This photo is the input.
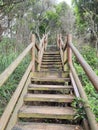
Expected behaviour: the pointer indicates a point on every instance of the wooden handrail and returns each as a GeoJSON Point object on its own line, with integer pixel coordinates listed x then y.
{"type": "Point", "coordinates": [33, 53]}
{"type": "Point", "coordinates": [63, 52]}
{"type": "Point", "coordinates": [88, 70]}
{"type": "Point", "coordinates": [9, 109]}
{"type": "Point", "coordinates": [90, 73]}
{"type": "Point", "coordinates": [60, 45]}
{"type": "Point", "coordinates": [42, 47]}
{"type": "Point", "coordinates": [90, 115]}
{"type": "Point", "coordinates": [8, 71]}
{"type": "Point", "coordinates": [5, 75]}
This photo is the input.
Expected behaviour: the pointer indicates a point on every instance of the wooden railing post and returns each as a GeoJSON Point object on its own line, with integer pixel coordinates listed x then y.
{"type": "Point", "coordinates": [69, 40]}
{"type": "Point", "coordinates": [65, 55]}
{"type": "Point", "coordinates": [33, 52]}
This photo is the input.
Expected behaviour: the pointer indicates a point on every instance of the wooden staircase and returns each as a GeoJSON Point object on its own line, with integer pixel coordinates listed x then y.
{"type": "Point", "coordinates": [47, 104]}
{"type": "Point", "coordinates": [43, 98]}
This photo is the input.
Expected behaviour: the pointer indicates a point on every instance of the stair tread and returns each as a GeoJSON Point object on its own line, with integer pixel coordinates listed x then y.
{"type": "Point", "coordinates": [49, 74]}
{"type": "Point", "coordinates": [53, 60]}
{"type": "Point", "coordinates": [55, 65]}
{"type": "Point", "coordinates": [51, 67]}
{"type": "Point", "coordinates": [51, 79]}
{"type": "Point", "coordinates": [46, 112]}
{"type": "Point", "coordinates": [57, 56]}
{"type": "Point", "coordinates": [56, 69]}
{"type": "Point", "coordinates": [52, 57]}
{"type": "Point", "coordinates": [45, 126]}
{"type": "Point", "coordinates": [51, 52]}
{"type": "Point", "coordinates": [49, 97]}
{"type": "Point", "coordinates": [47, 87]}
{"type": "Point", "coordinates": [51, 63]}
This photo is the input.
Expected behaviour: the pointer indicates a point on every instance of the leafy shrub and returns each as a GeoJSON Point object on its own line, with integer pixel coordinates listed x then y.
{"type": "Point", "coordinates": [78, 105]}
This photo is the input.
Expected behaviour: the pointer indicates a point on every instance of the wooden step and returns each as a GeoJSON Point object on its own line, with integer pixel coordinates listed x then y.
{"type": "Point", "coordinates": [48, 56]}
{"type": "Point", "coordinates": [54, 69]}
{"type": "Point", "coordinates": [52, 53]}
{"type": "Point", "coordinates": [51, 79]}
{"type": "Point", "coordinates": [46, 112]}
{"type": "Point", "coordinates": [50, 66]}
{"type": "Point", "coordinates": [49, 87]}
{"type": "Point", "coordinates": [51, 63]}
{"type": "Point", "coordinates": [45, 126]}
{"type": "Point", "coordinates": [49, 98]}
{"type": "Point", "coordinates": [51, 60]}
{"type": "Point", "coordinates": [50, 74]}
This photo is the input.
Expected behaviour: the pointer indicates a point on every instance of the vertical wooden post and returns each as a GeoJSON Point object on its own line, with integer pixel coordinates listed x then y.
{"type": "Point", "coordinates": [69, 40]}
{"type": "Point", "coordinates": [65, 55]}
{"type": "Point", "coordinates": [33, 52]}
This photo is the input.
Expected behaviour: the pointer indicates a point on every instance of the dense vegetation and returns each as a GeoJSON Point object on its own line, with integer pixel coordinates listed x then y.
{"type": "Point", "coordinates": [87, 20]}
{"type": "Point", "coordinates": [90, 56]}
{"type": "Point", "coordinates": [18, 18]}
{"type": "Point", "coordinates": [8, 54]}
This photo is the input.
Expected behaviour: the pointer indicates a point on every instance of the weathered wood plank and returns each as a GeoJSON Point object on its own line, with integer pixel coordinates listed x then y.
{"type": "Point", "coordinates": [51, 79]}
{"type": "Point", "coordinates": [45, 126]}
{"type": "Point", "coordinates": [13, 118]}
{"type": "Point", "coordinates": [33, 53]}
{"type": "Point", "coordinates": [8, 111]}
{"type": "Point", "coordinates": [49, 87]}
{"type": "Point", "coordinates": [49, 98]}
{"type": "Point", "coordinates": [50, 74]}
{"type": "Point", "coordinates": [90, 115]}
{"type": "Point", "coordinates": [46, 112]}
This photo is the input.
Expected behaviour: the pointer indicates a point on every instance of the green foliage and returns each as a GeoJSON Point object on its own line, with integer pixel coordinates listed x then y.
{"type": "Point", "coordinates": [78, 105]}
{"type": "Point", "coordinates": [90, 56]}
{"type": "Point", "coordinates": [1, 2]}
{"type": "Point", "coordinates": [7, 45]}
{"type": "Point", "coordinates": [9, 87]}
{"type": "Point", "coordinates": [86, 12]}
{"type": "Point", "coordinates": [7, 56]}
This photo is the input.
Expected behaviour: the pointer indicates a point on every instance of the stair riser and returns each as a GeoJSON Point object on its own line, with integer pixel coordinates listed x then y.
{"type": "Point", "coordinates": [45, 126]}
{"type": "Point", "coordinates": [52, 79]}
{"type": "Point", "coordinates": [48, 100]}
{"type": "Point", "coordinates": [52, 52]}
{"type": "Point", "coordinates": [51, 68]}
{"type": "Point", "coordinates": [50, 74]}
{"type": "Point", "coordinates": [52, 63]}
{"type": "Point", "coordinates": [51, 60]}
{"type": "Point", "coordinates": [52, 57]}
{"type": "Point", "coordinates": [50, 89]}
{"type": "Point", "coordinates": [36, 115]}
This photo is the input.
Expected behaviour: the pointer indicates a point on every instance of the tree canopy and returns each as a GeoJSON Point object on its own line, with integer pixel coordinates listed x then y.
{"type": "Point", "coordinates": [39, 16]}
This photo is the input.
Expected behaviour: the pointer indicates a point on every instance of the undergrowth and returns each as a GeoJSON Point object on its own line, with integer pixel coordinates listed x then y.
{"type": "Point", "coordinates": [90, 56]}
{"type": "Point", "coordinates": [8, 55]}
